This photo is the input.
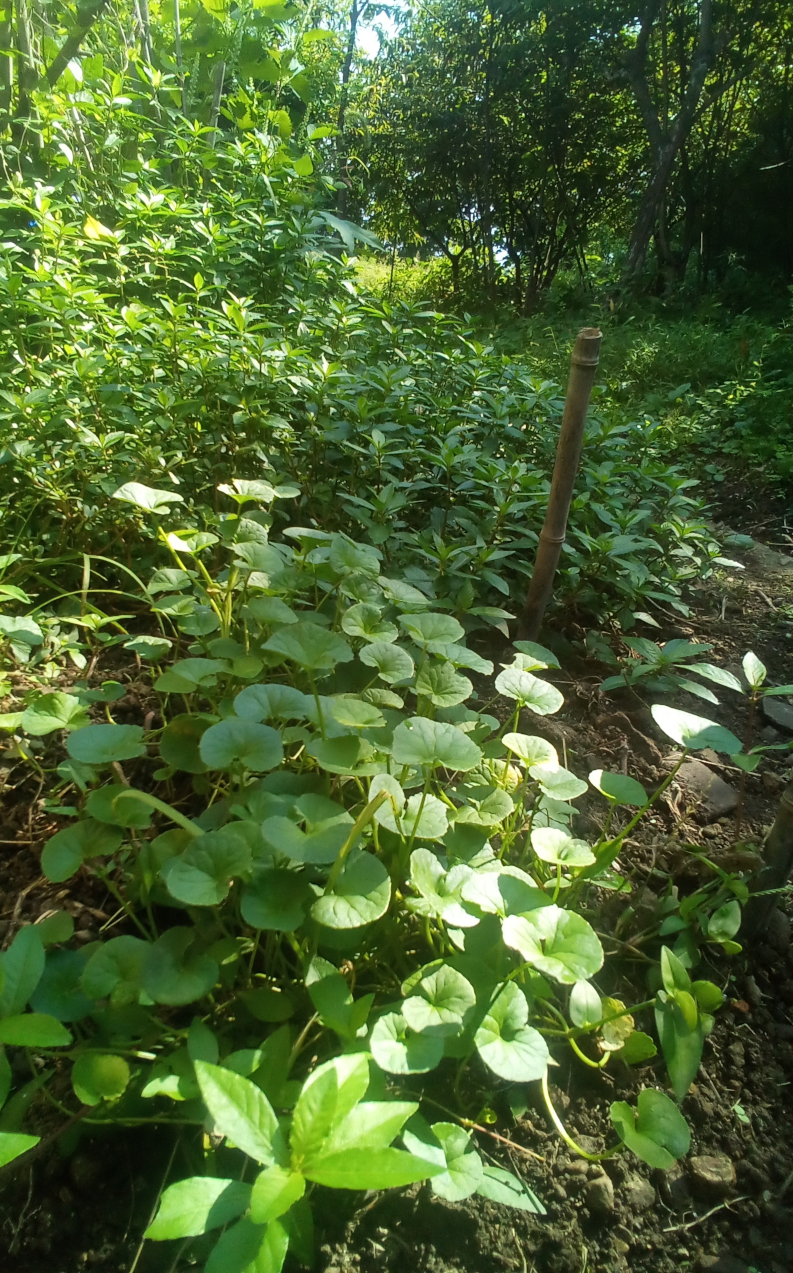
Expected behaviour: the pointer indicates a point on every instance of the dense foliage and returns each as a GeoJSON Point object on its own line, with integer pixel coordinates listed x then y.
{"type": "Point", "coordinates": [263, 532]}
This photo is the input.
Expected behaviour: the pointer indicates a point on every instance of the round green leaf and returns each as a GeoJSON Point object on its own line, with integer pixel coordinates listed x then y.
{"type": "Point", "coordinates": [441, 891]}
{"type": "Point", "coordinates": [619, 788]}
{"type": "Point", "coordinates": [276, 899]}
{"type": "Point", "coordinates": [560, 784]}
{"type": "Point", "coordinates": [271, 610]}
{"type": "Point", "coordinates": [181, 739]}
{"type": "Point", "coordinates": [116, 805]}
{"type": "Point", "coordinates": [433, 632]}
{"type": "Point", "coordinates": [535, 753]}
{"type": "Point", "coordinates": [354, 713]}
{"type": "Point", "coordinates": [399, 1052]}
{"type": "Point", "coordinates": [175, 971]}
{"type": "Point", "coordinates": [147, 498]}
{"type": "Point", "coordinates": [310, 646]}
{"type": "Point", "coordinates": [99, 1076]}
{"type": "Point", "coordinates": [561, 849]}
{"type": "Point", "coordinates": [65, 853]}
{"type": "Point", "coordinates": [440, 1003]}
{"type": "Point", "coordinates": [203, 874]}
{"type": "Point", "coordinates": [149, 647]}
{"type": "Point", "coordinates": [59, 993]}
{"type": "Point", "coordinates": [271, 702]}
{"type": "Point", "coordinates": [442, 685]}
{"type": "Point", "coordinates": [421, 741]}
{"type": "Point", "coordinates": [657, 1133]}
{"type": "Point", "coordinates": [529, 691]}
{"type": "Point", "coordinates": [348, 558]}
{"type": "Point", "coordinates": [393, 664]}
{"type": "Point", "coordinates": [115, 970]}
{"type": "Point", "coordinates": [341, 755]}
{"type": "Point", "coordinates": [103, 744]}
{"type": "Point", "coordinates": [694, 732]}
{"type": "Point", "coordinates": [558, 943]}
{"type": "Point", "coordinates": [506, 1043]}
{"type": "Point", "coordinates": [359, 895]}
{"type": "Point", "coordinates": [464, 1168]}
{"type": "Point", "coordinates": [241, 742]}
{"type": "Point", "coordinates": [367, 624]}
{"type": "Point", "coordinates": [54, 711]}
{"type": "Point", "coordinates": [502, 890]}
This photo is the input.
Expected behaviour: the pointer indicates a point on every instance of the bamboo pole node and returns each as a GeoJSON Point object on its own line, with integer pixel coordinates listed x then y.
{"type": "Point", "coordinates": [583, 365]}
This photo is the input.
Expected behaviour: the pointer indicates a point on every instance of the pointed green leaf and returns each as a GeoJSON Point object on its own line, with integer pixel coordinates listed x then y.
{"type": "Point", "coordinates": [657, 1133]}
{"type": "Point", "coordinates": [240, 1110]}
{"type": "Point", "coordinates": [694, 732]}
{"type": "Point", "coordinates": [502, 1186]}
{"type": "Point", "coordinates": [274, 1191]}
{"type": "Point", "coordinates": [197, 1205]}
{"type": "Point", "coordinates": [619, 788]}
{"type": "Point", "coordinates": [329, 1095]}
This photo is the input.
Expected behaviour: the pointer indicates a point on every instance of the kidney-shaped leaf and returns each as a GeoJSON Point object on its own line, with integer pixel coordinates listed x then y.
{"type": "Point", "coordinates": [311, 646]}
{"type": "Point", "coordinates": [203, 874]}
{"type": "Point", "coordinates": [359, 895]}
{"type": "Point", "coordinates": [104, 744]}
{"type": "Point", "coordinates": [393, 664]}
{"type": "Point", "coordinates": [529, 691]}
{"type": "Point", "coordinates": [243, 742]}
{"type": "Point", "coordinates": [175, 971]}
{"type": "Point", "coordinates": [398, 1051]}
{"type": "Point", "coordinates": [277, 899]}
{"type": "Point", "coordinates": [421, 741]}
{"type": "Point", "coordinates": [434, 632]}
{"type": "Point", "coordinates": [54, 711]}
{"type": "Point", "coordinates": [556, 942]}
{"type": "Point", "coordinates": [146, 497]}
{"type": "Point", "coordinates": [561, 849]}
{"type": "Point", "coordinates": [507, 1044]}
{"type": "Point", "coordinates": [440, 1003]}
{"type": "Point", "coordinates": [464, 1168]}
{"type": "Point", "coordinates": [65, 853]}
{"type": "Point", "coordinates": [535, 753]}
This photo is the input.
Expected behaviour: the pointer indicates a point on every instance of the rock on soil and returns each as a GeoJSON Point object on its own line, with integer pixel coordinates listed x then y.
{"type": "Point", "coordinates": [638, 1193]}
{"type": "Point", "coordinates": [715, 796]}
{"type": "Point", "coordinates": [777, 931]}
{"type": "Point", "coordinates": [599, 1196]}
{"type": "Point", "coordinates": [711, 1176]}
{"type": "Point", "coordinates": [779, 712]}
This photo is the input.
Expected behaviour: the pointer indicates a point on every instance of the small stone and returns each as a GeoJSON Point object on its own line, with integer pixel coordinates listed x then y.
{"type": "Point", "coordinates": [638, 1193]}
{"type": "Point", "coordinates": [777, 930]}
{"type": "Point", "coordinates": [712, 833]}
{"type": "Point", "coordinates": [772, 782]}
{"type": "Point", "coordinates": [599, 1196]}
{"type": "Point", "coordinates": [780, 712]}
{"type": "Point", "coordinates": [722, 1264]}
{"type": "Point", "coordinates": [622, 1248]}
{"type": "Point", "coordinates": [711, 1175]}
{"type": "Point", "coordinates": [769, 734]}
{"type": "Point", "coordinates": [578, 1167]}
{"type": "Point", "coordinates": [715, 797]}
{"type": "Point", "coordinates": [737, 1055]}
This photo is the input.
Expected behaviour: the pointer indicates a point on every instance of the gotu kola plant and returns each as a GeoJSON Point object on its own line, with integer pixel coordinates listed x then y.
{"type": "Point", "coordinates": [337, 874]}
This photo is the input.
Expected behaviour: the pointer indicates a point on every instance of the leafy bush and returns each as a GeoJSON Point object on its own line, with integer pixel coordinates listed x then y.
{"type": "Point", "coordinates": [320, 843]}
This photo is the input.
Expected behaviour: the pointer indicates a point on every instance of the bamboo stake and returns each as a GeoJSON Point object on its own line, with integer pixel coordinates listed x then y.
{"type": "Point", "coordinates": [583, 365]}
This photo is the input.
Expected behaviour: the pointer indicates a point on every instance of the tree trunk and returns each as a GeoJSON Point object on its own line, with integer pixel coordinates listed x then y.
{"type": "Point", "coordinates": [341, 119]}
{"type": "Point", "coordinates": [86, 18]}
{"type": "Point", "coordinates": [665, 145]}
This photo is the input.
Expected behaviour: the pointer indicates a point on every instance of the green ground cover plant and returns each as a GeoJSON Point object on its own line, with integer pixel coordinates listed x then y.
{"type": "Point", "coordinates": [324, 847]}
